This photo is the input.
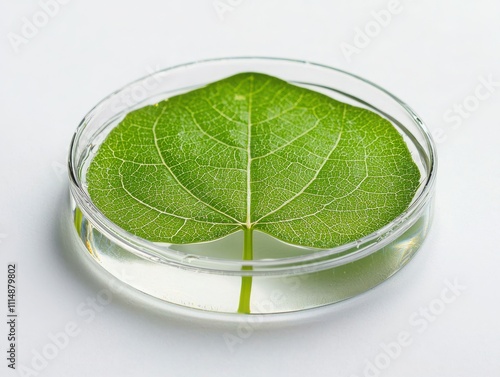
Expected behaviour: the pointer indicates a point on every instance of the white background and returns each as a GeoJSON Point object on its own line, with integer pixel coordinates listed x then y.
{"type": "Point", "coordinates": [432, 54]}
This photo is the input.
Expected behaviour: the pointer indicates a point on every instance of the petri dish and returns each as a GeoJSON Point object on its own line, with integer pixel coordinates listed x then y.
{"type": "Point", "coordinates": [284, 278]}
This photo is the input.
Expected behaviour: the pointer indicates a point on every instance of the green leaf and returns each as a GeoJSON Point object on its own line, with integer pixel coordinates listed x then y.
{"type": "Point", "coordinates": [253, 152]}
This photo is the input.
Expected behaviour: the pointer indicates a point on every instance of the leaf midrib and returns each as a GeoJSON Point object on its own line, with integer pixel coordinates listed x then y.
{"type": "Point", "coordinates": [249, 157]}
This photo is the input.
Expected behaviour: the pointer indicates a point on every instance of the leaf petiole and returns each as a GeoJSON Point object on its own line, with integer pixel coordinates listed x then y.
{"type": "Point", "coordinates": [246, 281]}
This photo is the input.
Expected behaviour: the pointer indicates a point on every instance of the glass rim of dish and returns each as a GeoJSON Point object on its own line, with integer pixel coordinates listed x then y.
{"type": "Point", "coordinates": [320, 259]}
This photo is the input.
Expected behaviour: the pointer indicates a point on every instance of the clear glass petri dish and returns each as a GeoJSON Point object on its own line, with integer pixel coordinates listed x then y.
{"type": "Point", "coordinates": [284, 278]}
